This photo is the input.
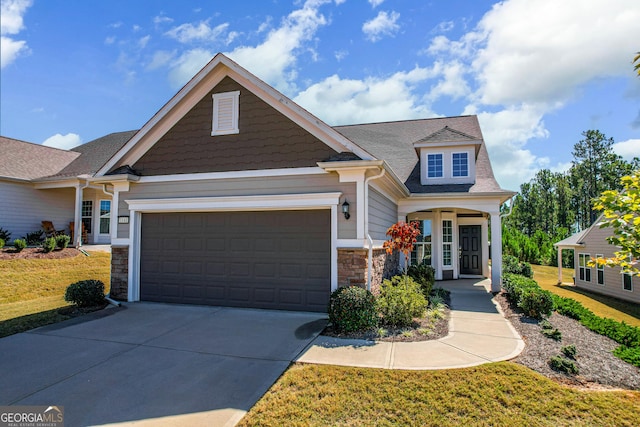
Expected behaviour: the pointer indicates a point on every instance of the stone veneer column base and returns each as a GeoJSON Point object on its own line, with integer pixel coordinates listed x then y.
{"type": "Point", "coordinates": [119, 273]}
{"type": "Point", "coordinates": [353, 267]}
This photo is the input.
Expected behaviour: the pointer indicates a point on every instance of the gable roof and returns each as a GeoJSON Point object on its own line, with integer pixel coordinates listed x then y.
{"type": "Point", "coordinates": [26, 161]}
{"type": "Point", "coordinates": [210, 75]}
{"type": "Point", "coordinates": [575, 240]}
{"type": "Point", "coordinates": [446, 135]}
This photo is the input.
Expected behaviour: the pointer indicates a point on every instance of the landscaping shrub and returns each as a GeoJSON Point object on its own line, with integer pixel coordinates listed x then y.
{"type": "Point", "coordinates": [19, 244]}
{"type": "Point", "coordinates": [512, 265]}
{"type": "Point", "coordinates": [62, 241]}
{"type": "Point", "coordinates": [440, 292]}
{"type": "Point", "coordinates": [34, 238]}
{"type": "Point", "coordinates": [5, 235]}
{"type": "Point", "coordinates": [559, 363]}
{"type": "Point", "coordinates": [49, 244]}
{"type": "Point", "coordinates": [352, 309]}
{"type": "Point", "coordinates": [85, 293]}
{"type": "Point", "coordinates": [570, 351]}
{"type": "Point", "coordinates": [536, 303]}
{"type": "Point", "coordinates": [628, 354]}
{"type": "Point", "coordinates": [2, 243]}
{"type": "Point", "coordinates": [400, 301]}
{"type": "Point", "coordinates": [424, 275]}
{"type": "Point", "coordinates": [553, 333]}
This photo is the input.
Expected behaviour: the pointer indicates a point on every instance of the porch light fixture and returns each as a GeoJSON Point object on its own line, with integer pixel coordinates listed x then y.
{"type": "Point", "coordinates": [345, 209]}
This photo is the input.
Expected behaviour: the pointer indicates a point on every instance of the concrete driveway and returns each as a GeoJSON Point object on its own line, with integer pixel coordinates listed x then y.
{"type": "Point", "coordinates": [154, 364]}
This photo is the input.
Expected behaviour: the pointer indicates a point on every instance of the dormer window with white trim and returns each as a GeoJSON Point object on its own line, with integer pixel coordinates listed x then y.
{"type": "Point", "coordinates": [434, 166]}
{"type": "Point", "coordinates": [460, 166]}
{"type": "Point", "coordinates": [225, 113]}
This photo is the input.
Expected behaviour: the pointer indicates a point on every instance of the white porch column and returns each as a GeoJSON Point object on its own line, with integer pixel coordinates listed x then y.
{"type": "Point", "coordinates": [77, 218]}
{"type": "Point", "coordinates": [559, 264]}
{"type": "Point", "coordinates": [496, 252]}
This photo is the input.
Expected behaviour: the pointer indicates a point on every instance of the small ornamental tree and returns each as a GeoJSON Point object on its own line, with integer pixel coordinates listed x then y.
{"type": "Point", "coordinates": [621, 212]}
{"type": "Point", "coordinates": [402, 237]}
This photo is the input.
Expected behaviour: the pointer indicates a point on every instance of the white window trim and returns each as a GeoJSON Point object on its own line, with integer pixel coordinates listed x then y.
{"type": "Point", "coordinates": [460, 176]}
{"type": "Point", "coordinates": [586, 257]}
{"type": "Point", "coordinates": [630, 279]}
{"type": "Point", "coordinates": [427, 166]}
{"type": "Point", "coordinates": [98, 215]}
{"type": "Point", "coordinates": [452, 250]}
{"type": "Point", "coordinates": [235, 98]}
{"type": "Point", "coordinates": [599, 268]}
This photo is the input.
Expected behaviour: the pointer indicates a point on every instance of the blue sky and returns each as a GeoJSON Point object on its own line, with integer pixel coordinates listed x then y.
{"type": "Point", "coordinates": [537, 72]}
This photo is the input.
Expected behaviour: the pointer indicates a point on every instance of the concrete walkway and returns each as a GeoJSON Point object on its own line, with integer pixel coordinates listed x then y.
{"type": "Point", "coordinates": [478, 333]}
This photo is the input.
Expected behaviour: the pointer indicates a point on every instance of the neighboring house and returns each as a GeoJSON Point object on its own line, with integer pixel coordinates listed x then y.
{"type": "Point", "coordinates": [234, 195]}
{"type": "Point", "coordinates": [591, 243]}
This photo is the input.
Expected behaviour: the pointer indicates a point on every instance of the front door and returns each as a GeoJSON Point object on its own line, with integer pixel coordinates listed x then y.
{"type": "Point", "coordinates": [470, 250]}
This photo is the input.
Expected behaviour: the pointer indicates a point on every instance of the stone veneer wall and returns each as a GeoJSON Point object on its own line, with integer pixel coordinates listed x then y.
{"type": "Point", "coordinates": [353, 267]}
{"type": "Point", "coordinates": [119, 273]}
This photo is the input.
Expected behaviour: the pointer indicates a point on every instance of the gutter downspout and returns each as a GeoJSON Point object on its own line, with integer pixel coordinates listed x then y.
{"type": "Point", "coordinates": [366, 226]}
{"type": "Point", "coordinates": [510, 208]}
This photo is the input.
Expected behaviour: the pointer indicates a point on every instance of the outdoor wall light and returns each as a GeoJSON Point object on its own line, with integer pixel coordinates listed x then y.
{"type": "Point", "coordinates": [345, 209]}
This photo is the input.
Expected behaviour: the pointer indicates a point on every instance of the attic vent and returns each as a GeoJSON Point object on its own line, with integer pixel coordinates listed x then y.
{"type": "Point", "coordinates": [225, 113]}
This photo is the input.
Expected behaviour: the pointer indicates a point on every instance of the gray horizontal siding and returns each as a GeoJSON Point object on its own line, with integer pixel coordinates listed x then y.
{"type": "Point", "coordinates": [23, 208]}
{"type": "Point", "coordinates": [596, 243]}
{"type": "Point", "coordinates": [246, 187]}
{"type": "Point", "coordinates": [382, 214]}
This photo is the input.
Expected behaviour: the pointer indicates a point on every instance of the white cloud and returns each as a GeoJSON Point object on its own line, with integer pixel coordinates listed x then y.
{"type": "Point", "coordinates": [187, 65]}
{"type": "Point", "coordinates": [453, 84]}
{"type": "Point", "coordinates": [162, 19]}
{"type": "Point", "coordinates": [627, 149]}
{"type": "Point", "coordinates": [385, 24]}
{"type": "Point", "coordinates": [274, 60]}
{"type": "Point", "coordinates": [110, 40]}
{"type": "Point", "coordinates": [341, 54]}
{"type": "Point", "coordinates": [375, 3]}
{"type": "Point", "coordinates": [11, 23]}
{"type": "Point", "coordinates": [160, 59]}
{"type": "Point", "coordinates": [345, 101]}
{"type": "Point", "coordinates": [64, 142]}
{"type": "Point", "coordinates": [142, 43]}
{"type": "Point", "coordinates": [187, 33]}
{"type": "Point", "coordinates": [445, 27]}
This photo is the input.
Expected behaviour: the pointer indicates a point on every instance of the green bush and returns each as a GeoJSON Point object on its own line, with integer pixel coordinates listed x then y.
{"type": "Point", "coordinates": [49, 244]}
{"type": "Point", "coordinates": [554, 334]}
{"type": "Point", "coordinates": [424, 275]}
{"type": "Point", "coordinates": [400, 301]}
{"type": "Point", "coordinates": [510, 264]}
{"type": "Point", "coordinates": [352, 309]}
{"type": "Point", "coordinates": [5, 235]}
{"type": "Point", "coordinates": [35, 238]}
{"type": "Point", "coordinates": [62, 241]}
{"type": "Point", "coordinates": [559, 363]}
{"type": "Point", "coordinates": [19, 244]}
{"type": "Point", "coordinates": [2, 242]}
{"type": "Point", "coordinates": [536, 303]}
{"type": "Point", "coordinates": [85, 293]}
{"type": "Point", "coordinates": [570, 351]}
{"type": "Point", "coordinates": [628, 354]}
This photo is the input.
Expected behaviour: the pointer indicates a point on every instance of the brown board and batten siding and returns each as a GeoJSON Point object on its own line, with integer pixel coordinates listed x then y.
{"type": "Point", "coordinates": [267, 140]}
{"type": "Point", "coordinates": [595, 243]}
{"type": "Point", "coordinates": [322, 183]}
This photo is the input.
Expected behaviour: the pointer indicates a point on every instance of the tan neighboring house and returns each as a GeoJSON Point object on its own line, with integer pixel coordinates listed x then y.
{"type": "Point", "coordinates": [591, 243]}
{"type": "Point", "coordinates": [234, 195]}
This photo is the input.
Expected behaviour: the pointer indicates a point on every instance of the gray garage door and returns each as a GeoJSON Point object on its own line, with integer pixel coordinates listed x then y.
{"type": "Point", "coordinates": [274, 259]}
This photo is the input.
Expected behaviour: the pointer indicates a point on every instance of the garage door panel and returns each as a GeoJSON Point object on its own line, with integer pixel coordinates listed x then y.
{"type": "Point", "coordinates": [242, 259]}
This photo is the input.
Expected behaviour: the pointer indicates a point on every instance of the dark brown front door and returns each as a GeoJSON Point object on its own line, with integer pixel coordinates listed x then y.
{"type": "Point", "coordinates": [275, 259]}
{"type": "Point", "coordinates": [470, 249]}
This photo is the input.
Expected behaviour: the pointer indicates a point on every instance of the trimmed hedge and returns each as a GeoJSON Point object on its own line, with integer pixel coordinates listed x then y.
{"type": "Point", "coordinates": [352, 309]}
{"type": "Point", "coordinates": [85, 293]}
{"type": "Point", "coordinates": [526, 294]}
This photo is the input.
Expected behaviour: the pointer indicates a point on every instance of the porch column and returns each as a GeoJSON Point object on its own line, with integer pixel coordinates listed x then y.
{"type": "Point", "coordinates": [559, 264]}
{"type": "Point", "coordinates": [77, 219]}
{"type": "Point", "coordinates": [496, 252]}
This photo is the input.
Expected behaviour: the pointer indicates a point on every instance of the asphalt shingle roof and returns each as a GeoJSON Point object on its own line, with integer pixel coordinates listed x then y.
{"type": "Point", "coordinates": [26, 161]}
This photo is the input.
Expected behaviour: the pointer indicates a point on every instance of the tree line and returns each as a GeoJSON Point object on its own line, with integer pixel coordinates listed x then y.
{"type": "Point", "coordinates": [554, 205]}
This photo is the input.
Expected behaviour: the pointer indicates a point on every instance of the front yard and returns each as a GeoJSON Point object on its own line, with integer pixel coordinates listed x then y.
{"type": "Point", "coordinates": [32, 290]}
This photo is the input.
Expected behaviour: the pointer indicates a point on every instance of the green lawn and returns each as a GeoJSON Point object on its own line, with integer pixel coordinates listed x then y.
{"type": "Point", "coordinates": [603, 306]}
{"type": "Point", "coordinates": [32, 290]}
{"type": "Point", "coordinates": [504, 394]}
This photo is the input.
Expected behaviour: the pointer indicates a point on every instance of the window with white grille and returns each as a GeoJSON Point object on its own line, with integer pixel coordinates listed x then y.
{"type": "Point", "coordinates": [225, 113]}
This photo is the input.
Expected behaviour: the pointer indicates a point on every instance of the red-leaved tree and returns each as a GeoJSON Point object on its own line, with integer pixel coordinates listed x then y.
{"type": "Point", "coordinates": [402, 236]}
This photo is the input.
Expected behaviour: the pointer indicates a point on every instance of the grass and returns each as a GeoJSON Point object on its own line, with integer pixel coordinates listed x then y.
{"type": "Point", "coordinates": [601, 305]}
{"type": "Point", "coordinates": [32, 290]}
{"type": "Point", "coordinates": [494, 394]}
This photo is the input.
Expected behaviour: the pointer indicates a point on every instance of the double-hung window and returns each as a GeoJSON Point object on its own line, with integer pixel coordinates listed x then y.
{"type": "Point", "coordinates": [584, 270]}
{"type": "Point", "coordinates": [460, 164]}
{"type": "Point", "coordinates": [421, 253]}
{"type": "Point", "coordinates": [434, 166]}
{"type": "Point", "coordinates": [627, 283]}
{"type": "Point", "coordinates": [600, 269]}
{"type": "Point", "coordinates": [87, 214]}
{"type": "Point", "coordinates": [447, 242]}
{"type": "Point", "coordinates": [105, 216]}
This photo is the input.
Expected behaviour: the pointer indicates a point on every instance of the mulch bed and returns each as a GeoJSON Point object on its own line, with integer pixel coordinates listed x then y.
{"type": "Point", "coordinates": [599, 368]}
{"type": "Point", "coordinates": [9, 253]}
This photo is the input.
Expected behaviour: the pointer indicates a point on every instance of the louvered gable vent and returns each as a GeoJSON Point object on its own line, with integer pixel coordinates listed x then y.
{"type": "Point", "coordinates": [225, 113]}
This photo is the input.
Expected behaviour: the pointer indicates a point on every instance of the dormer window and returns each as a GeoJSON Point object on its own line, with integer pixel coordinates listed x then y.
{"type": "Point", "coordinates": [460, 166]}
{"type": "Point", "coordinates": [434, 166]}
{"type": "Point", "coordinates": [225, 113]}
